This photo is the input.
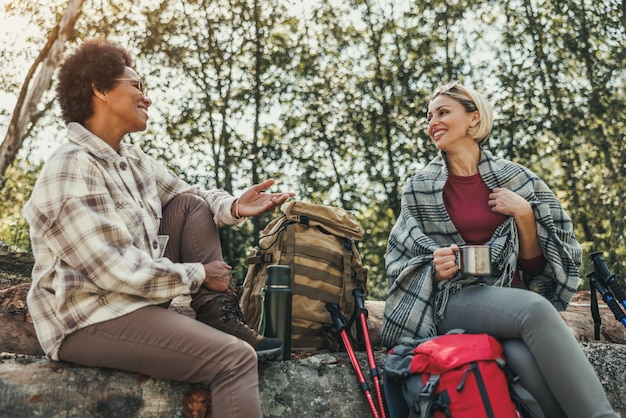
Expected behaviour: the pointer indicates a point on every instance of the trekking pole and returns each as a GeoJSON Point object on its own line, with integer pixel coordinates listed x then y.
{"type": "Point", "coordinates": [340, 325]}
{"type": "Point", "coordinates": [595, 310]}
{"type": "Point", "coordinates": [362, 315]}
{"type": "Point", "coordinates": [607, 298]}
{"type": "Point", "coordinates": [608, 279]}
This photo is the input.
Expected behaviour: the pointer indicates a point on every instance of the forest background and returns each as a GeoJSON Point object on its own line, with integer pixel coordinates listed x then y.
{"type": "Point", "coordinates": [329, 98]}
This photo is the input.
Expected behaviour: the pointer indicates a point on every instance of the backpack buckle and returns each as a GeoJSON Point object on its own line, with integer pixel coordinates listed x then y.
{"type": "Point", "coordinates": [302, 219]}
{"type": "Point", "coordinates": [261, 258]}
{"type": "Point", "coordinates": [429, 386]}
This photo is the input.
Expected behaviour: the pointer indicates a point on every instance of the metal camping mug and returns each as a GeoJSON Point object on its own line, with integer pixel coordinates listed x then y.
{"type": "Point", "coordinates": [475, 260]}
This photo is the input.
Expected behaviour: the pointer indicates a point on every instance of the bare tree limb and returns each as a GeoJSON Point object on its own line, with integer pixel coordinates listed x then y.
{"type": "Point", "coordinates": [24, 113]}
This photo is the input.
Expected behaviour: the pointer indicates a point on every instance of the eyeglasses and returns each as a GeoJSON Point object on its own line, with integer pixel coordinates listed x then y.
{"type": "Point", "coordinates": [140, 85]}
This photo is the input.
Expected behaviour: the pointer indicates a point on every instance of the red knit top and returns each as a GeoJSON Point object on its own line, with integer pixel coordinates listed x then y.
{"type": "Point", "coordinates": [465, 199]}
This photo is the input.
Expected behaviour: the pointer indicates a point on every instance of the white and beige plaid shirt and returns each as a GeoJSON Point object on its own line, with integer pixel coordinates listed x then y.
{"type": "Point", "coordinates": [94, 217]}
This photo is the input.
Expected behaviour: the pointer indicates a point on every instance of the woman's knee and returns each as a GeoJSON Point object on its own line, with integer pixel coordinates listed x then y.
{"type": "Point", "coordinates": [241, 354]}
{"type": "Point", "coordinates": [193, 234]}
{"type": "Point", "coordinates": [248, 355]}
{"type": "Point", "coordinates": [238, 360]}
{"type": "Point", "coordinates": [537, 310]}
{"type": "Point", "coordinates": [187, 203]}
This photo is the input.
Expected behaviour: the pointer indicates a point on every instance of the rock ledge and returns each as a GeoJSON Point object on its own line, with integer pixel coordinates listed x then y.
{"type": "Point", "coordinates": [319, 386]}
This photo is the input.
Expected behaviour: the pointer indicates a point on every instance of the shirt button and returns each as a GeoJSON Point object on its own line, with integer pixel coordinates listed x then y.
{"type": "Point", "coordinates": [123, 165]}
{"type": "Point", "coordinates": [194, 287]}
{"type": "Point", "coordinates": [155, 244]}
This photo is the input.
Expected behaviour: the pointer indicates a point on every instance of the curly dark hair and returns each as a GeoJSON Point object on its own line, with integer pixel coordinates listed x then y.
{"type": "Point", "coordinates": [96, 62]}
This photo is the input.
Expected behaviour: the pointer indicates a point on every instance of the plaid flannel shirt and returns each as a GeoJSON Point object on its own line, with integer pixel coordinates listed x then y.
{"type": "Point", "coordinates": [94, 217]}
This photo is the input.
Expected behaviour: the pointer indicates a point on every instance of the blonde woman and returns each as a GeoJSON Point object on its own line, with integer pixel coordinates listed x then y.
{"type": "Point", "coordinates": [467, 195]}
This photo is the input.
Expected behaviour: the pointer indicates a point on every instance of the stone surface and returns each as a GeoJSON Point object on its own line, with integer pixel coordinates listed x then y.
{"type": "Point", "coordinates": [315, 386]}
{"type": "Point", "coordinates": [34, 386]}
{"type": "Point", "coordinates": [319, 386]}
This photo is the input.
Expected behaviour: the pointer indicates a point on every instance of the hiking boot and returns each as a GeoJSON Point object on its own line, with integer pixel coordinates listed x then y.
{"type": "Point", "coordinates": [224, 313]}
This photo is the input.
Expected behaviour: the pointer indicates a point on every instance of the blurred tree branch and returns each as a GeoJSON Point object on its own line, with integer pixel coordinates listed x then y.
{"type": "Point", "coordinates": [25, 112]}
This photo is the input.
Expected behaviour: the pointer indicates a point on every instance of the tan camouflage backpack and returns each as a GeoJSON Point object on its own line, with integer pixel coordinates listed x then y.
{"type": "Point", "coordinates": [319, 243]}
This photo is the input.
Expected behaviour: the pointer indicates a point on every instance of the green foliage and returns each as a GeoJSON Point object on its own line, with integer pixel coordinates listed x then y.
{"type": "Point", "coordinates": [330, 100]}
{"type": "Point", "coordinates": [20, 179]}
{"type": "Point", "coordinates": [373, 248]}
{"type": "Point", "coordinates": [562, 67]}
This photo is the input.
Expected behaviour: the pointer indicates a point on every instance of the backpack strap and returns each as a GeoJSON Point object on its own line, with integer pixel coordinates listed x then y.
{"type": "Point", "coordinates": [261, 328]}
{"type": "Point", "coordinates": [426, 395]}
{"type": "Point", "coordinates": [348, 284]}
{"type": "Point", "coordinates": [419, 395]}
{"type": "Point", "coordinates": [289, 247]}
{"type": "Point", "coordinates": [523, 400]}
{"type": "Point", "coordinates": [290, 244]}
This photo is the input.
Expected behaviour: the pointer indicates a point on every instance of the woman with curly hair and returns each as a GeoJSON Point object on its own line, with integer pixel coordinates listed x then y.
{"type": "Point", "coordinates": [116, 236]}
{"type": "Point", "coordinates": [469, 196]}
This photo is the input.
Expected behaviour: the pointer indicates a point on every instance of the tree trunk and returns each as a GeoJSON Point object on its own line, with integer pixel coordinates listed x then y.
{"type": "Point", "coordinates": [18, 333]}
{"type": "Point", "coordinates": [24, 112]}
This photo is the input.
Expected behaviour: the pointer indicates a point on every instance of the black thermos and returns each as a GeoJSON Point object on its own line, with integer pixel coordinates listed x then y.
{"type": "Point", "coordinates": [278, 306]}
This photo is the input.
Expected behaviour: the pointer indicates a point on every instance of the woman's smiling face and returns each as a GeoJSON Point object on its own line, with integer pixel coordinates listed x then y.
{"type": "Point", "coordinates": [128, 102]}
{"type": "Point", "coordinates": [448, 122]}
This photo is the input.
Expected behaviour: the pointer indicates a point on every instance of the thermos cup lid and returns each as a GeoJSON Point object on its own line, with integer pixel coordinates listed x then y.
{"type": "Point", "coordinates": [278, 276]}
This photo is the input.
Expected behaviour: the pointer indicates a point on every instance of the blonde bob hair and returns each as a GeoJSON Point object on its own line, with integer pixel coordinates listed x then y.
{"type": "Point", "coordinates": [472, 101]}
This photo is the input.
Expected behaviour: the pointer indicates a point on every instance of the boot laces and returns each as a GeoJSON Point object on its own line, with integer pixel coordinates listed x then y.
{"type": "Point", "coordinates": [231, 308]}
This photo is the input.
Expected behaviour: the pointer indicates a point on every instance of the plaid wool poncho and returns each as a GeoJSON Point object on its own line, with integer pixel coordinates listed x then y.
{"type": "Point", "coordinates": [415, 303]}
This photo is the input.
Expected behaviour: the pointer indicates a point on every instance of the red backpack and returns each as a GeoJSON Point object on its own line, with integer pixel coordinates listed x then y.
{"type": "Point", "coordinates": [454, 375]}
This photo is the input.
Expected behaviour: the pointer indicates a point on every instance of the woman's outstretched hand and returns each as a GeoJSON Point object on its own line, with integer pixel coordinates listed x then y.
{"type": "Point", "coordinates": [255, 201]}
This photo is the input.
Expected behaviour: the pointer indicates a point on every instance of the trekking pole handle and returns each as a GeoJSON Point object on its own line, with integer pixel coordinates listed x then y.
{"type": "Point", "coordinates": [608, 299]}
{"type": "Point", "coordinates": [607, 277]}
{"type": "Point", "coordinates": [359, 301]}
{"type": "Point", "coordinates": [335, 315]}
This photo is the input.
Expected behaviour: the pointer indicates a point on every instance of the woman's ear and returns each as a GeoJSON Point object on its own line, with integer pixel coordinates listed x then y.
{"type": "Point", "coordinates": [475, 119]}
{"type": "Point", "coordinates": [99, 94]}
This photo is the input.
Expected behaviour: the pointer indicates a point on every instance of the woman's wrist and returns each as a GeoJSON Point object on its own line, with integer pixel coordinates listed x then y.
{"type": "Point", "coordinates": [234, 209]}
